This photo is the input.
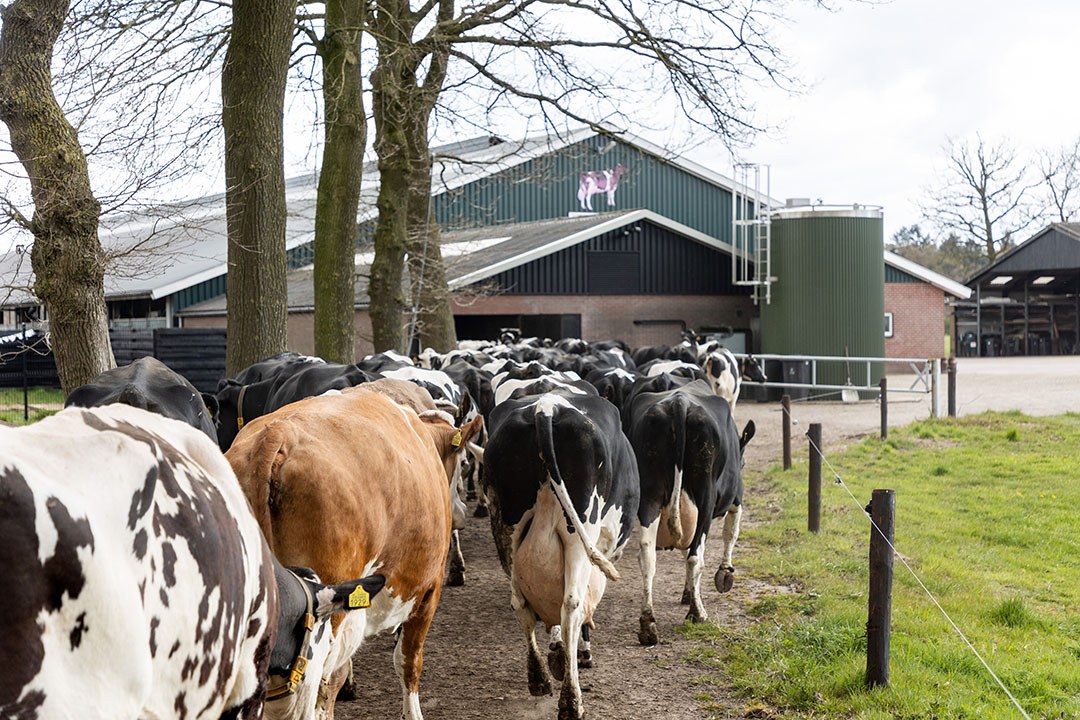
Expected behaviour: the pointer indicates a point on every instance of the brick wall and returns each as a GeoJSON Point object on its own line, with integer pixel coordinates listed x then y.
{"type": "Point", "coordinates": [918, 321]}
{"type": "Point", "coordinates": [302, 330]}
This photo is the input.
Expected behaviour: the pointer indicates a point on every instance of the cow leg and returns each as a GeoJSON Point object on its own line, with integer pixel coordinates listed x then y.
{"type": "Point", "coordinates": [456, 577]}
{"type": "Point", "coordinates": [585, 651]}
{"type": "Point", "coordinates": [409, 653]}
{"type": "Point", "coordinates": [470, 480]}
{"type": "Point", "coordinates": [576, 571]}
{"type": "Point", "coordinates": [555, 653]}
{"type": "Point", "coordinates": [348, 690]}
{"type": "Point", "coordinates": [647, 560]}
{"type": "Point", "coordinates": [688, 583]}
{"type": "Point", "coordinates": [539, 683]}
{"type": "Point", "coordinates": [695, 561]}
{"type": "Point", "coordinates": [725, 574]}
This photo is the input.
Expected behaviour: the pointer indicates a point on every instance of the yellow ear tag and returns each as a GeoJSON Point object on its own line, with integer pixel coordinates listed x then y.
{"type": "Point", "coordinates": [359, 598]}
{"type": "Point", "coordinates": [456, 440]}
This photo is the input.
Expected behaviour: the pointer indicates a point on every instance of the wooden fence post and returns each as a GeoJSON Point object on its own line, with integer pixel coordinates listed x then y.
{"type": "Point", "coordinates": [785, 404]}
{"type": "Point", "coordinates": [952, 387]}
{"type": "Point", "coordinates": [813, 494]}
{"type": "Point", "coordinates": [884, 385]}
{"type": "Point", "coordinates": [882, 510]}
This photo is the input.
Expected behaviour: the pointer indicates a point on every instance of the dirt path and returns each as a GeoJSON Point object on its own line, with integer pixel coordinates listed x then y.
{"type": "Point", "coordinates": [474, 659]}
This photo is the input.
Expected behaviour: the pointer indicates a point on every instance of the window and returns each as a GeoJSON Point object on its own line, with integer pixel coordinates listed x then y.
{"type": "Point", "coordinates": [888, 324]}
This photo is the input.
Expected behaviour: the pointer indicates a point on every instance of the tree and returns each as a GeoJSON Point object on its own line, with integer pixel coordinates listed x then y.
{"type": "Point", "coordinates": [984, 196]}
{"type": "Point", "coordinates": [66, 257]}
{"type": "Point", "coordinates": [1060, 172]}
{"type": "Point", "coordinates": [253, 94]}
{"type": "Point", "coordinates": [501, 61]}
{"type": "Point", "coordinates": [340, 175]}
{"type": "Point", "coordinates": [952, 257]}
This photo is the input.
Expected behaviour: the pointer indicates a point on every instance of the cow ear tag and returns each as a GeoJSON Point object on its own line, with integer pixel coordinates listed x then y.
{"type": "Point", "coordinates": [359, 598]}
{"type": "Point", "coordinates": [456, 440]}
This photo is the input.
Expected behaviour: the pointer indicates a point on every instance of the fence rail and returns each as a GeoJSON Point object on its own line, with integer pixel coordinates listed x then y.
{"type": "Point", "coordinates": [922, 367]}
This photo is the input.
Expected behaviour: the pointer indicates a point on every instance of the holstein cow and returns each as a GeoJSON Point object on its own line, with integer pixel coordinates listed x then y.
{"type": "Point", "coordinates": [689, 455]}
{"type": "Point", "coordinates": [353, 483]}
{"type": "Point", "coordinates": [138, 582]}
{"type": "Point", "coordinates": [150, 384]}
{"type": "Point", "coordinates": [726, 373]}
{"type": "Point", "coordinates": [562, 487]}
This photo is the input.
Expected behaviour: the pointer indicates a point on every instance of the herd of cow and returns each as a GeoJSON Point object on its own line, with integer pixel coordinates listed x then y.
{"type": "Point", "coordinates": [172, 554]}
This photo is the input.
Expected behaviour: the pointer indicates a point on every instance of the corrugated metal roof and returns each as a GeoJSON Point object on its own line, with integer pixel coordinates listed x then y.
{"type": "Point", "coordinates": [1066, 254]}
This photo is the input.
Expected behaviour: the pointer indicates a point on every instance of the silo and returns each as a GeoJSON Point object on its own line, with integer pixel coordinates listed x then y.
{"type": "Point", "coordinates": [828, 296]}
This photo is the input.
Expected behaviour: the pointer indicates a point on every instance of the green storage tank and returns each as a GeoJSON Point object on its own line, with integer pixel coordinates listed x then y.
{"type": "Point", "coordinates": [828, 296]}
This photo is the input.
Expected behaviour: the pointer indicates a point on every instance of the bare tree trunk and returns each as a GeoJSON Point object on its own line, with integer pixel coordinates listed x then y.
{"type": "Point", "coordinates": [253, 96]}
{"type": "Point", "coordinates": [431, 298]}
{"type": "Point", "coordinates": [67, 258]}
{"type": "Point", "coordinates": [339, 181]}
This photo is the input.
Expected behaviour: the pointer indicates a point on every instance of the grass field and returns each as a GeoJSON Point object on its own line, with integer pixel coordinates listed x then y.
{"type": "Point", "coordinates": [42, 403]}
{"type": "Point", "coordinates": [986, 515]}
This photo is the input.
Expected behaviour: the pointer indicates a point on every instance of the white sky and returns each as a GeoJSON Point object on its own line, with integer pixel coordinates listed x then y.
{"type": "Point", "coordinates": [888, 83]}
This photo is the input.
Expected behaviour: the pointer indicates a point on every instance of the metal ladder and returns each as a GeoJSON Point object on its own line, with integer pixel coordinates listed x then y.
{"type": "Point", "coordinates": [751, 230]}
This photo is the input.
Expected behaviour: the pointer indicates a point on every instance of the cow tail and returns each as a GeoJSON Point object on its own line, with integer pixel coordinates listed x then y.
{"type": "Point", "coordinates": [265, 477]}
{"type": "Point", "coordinates": [679, 418]}
{"type": "Point", "coordinates": [545, 438]}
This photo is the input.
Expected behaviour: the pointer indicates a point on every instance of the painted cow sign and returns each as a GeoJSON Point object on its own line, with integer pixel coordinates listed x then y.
{"type": "Point", "coordinates": [602, 181]}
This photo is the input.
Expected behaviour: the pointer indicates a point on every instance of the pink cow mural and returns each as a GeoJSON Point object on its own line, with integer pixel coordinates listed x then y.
{"type": "Point", "coordinates": [595, 182]}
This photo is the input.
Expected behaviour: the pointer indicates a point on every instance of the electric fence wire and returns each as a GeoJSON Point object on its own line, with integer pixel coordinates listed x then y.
{"type": "Point", "coordinates": [839, 481]}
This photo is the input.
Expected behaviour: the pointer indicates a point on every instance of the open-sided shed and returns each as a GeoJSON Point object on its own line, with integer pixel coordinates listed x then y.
{"type": "Point", "coordinates": [1028, 301]}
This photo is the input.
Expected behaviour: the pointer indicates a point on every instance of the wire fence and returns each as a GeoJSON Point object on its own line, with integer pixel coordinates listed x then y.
{"type": "Point", "coordinates": [838, 480]}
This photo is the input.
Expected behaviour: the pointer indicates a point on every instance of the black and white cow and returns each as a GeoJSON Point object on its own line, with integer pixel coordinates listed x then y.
{"type": "Point", "coordinates": [614, 384]}
{"type": "Point", "coordinates": [725, 373]}
{"type": "Point", "coordinates": [689, 455]}
{"type": "Point", "coordinates": [562, 487]}
{"type": "Point", "coordinates": [138, 583]}
{"type": "Point", "coordinates": [150, 384]}
{"type": "Point", "coordinates": [673, 367]}
{"type": "Point", "coordinates": [282, 363]}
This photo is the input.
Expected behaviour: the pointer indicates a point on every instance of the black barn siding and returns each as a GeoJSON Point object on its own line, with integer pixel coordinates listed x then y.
{"type": "Point", "coordinates": [668, 264]}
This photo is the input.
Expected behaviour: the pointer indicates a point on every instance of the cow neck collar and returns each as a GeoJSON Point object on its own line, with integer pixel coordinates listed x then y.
{"type": "Point", "coordinates": [240, 410]}
{"type": "Point", "coordinates": [296, 675]}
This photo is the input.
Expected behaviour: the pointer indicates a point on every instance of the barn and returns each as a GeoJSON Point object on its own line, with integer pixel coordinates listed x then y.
{"type": "Point", "coordinates": [587, 233]}
{"type": "Point", "coordinates": [1027, 302]}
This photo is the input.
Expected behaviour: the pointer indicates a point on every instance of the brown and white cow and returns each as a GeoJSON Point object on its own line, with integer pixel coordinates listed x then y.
{"type": "Point", "coordinates": [354, 480]}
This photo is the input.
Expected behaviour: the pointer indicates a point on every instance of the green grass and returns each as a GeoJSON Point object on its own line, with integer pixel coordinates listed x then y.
{"type": "Point", "coordinates": [42, 402]}
{"type": "Point", "coordinates": [986, 514]}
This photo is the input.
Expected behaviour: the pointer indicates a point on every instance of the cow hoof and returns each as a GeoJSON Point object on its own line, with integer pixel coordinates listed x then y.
{"type": "Point", "coordinates": [570, 708]}
{"type": "Point", "coordinates": [555, 662]}
{"type": "Point", "coordinates": [456, 578]}
{"type": "Point", "coordinates": [585, 659]}
{"type": "Point", "coordinates": [480, 511]}
{"type": "Point", "coordinates": [347, 693]}
{"type": "Point", "coordinates": [647, 634]}
{"type": "Point", "coordinates": [687, 596]}
{"type": "Point", "coordinates": [538, 689]}
{"type": "Point", "coordinates": [724, 579]}
{"type": "Point", "coordinates": [696, 616]}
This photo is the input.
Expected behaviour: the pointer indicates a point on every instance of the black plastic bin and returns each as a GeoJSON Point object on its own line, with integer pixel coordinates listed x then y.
{"type": "Point", "coordinates": [796, 371]}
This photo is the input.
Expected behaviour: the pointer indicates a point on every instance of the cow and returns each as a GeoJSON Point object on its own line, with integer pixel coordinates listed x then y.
{"type": "Point", "coordinates": [150, 384]}
{"type": "Point", "coordinates": [284, 362]}
{"type": "Point", "coordinates": [348, 484]}
{"type": "Point", "coordinates": [614, 384]}
{"type": "Point", "coordinates": [601, 181]}
{"type": "Point", "coordinates": [689, 455]}
{"type": "Point", "coordinates": [562, 487]}
{"type": "Point", "coordinates": [673, 367]}
{"type": "Point", "coordinates": [138, 582]}
{"type": "Point", "coordinates": [726, 373]}
{"type": "Point", "coordinates": [239, 404]}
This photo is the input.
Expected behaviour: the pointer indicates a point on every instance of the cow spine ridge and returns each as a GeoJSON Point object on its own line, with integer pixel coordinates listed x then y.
{"type": "Point", "coordinates": [674, 519]}
{"type": "Point", "coordinates": [545, 438]}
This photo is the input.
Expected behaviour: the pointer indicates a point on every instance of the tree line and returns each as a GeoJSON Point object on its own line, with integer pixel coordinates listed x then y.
{"type": "Point", "coordinates": [144, 89]}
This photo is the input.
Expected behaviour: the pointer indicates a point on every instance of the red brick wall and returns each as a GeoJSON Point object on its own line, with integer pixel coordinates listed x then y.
{"type": "Point", "coordinates": [605, 317]}
{"type": "Point", "coordinates": [302, 330]}
{"type": "Point", "coordinates": [918, 320]}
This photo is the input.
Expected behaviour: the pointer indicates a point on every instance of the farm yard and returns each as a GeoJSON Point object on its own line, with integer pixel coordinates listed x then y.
{"type": "Point", "coordinates": [788, 639]}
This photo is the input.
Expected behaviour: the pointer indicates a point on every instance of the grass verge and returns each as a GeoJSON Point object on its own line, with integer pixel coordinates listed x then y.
{"type": "Point", "coordinates": [40, 401]}
{"type": "Point", "coordinates": [986, 510]}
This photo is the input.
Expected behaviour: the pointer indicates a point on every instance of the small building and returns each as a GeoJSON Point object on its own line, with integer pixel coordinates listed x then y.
{"type": "Point", "coordinates": [916, 302]}
{"type": "Point", "coordinates": [1027, 302]}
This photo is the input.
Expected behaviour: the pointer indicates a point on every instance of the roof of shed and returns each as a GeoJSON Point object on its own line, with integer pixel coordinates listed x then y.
{"type": "Point", "coordinates": [1055, 247]}
{"type": "Point", "coordinates": [927, 275]}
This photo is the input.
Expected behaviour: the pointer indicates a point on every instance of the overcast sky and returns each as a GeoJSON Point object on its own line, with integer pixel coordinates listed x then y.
{"type": "Point", "coordinates": [888, 84]}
